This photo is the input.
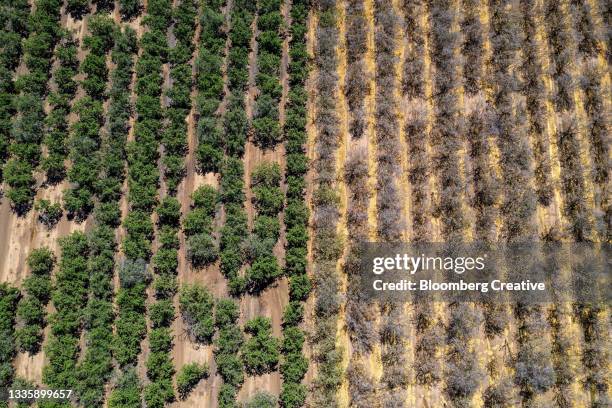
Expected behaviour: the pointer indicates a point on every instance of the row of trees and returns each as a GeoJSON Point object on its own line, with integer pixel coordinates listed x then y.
{"type": "Point", "coordinates": [31, 308]}
{"type": "Point", "coordinates": [534, 373]}
{"type": "Point", "coordinates": [161, 312]}
{"type": "Point", "coordinates": [97, 364]}
{"type": "Point", "coordinates": [562, 47]}
{"type": "Point", "coordinates": [389, 220]}
{"type": "Point", "coordinates": [130, 322]}
{"type": "Point", "coordinates": [143, 193]}
{"type": "Point", "coordinates": [9, 297]}
{"type": "Point", "coordinates": [86, 139]}
{"type": "Point", "coordinates": [202, 249]}
{"type": "Point", "coordinates": [143, 180]}
{"type": "Point", "coordinates": [266, 125]}
{"type": "Point", "coordinates": [258, 249]}
{"type": "Point", "coordinates": [360, 315]}
{"type": "Point", "coordinates": [357, 82]}
{"type": "Point", "coordinates": [294, 365]}
{"type": "Point", "coordinates": [564, 51]}
{"type": "Point", "coordinates": [233, 233]}
{"type": "Point", "coordinates": [113, 151]}
{"type": "Point", "coordinates": [429, 332]}
{"type": "Point", "coordinates": [70, 295]}
{"type": "Point", "coordinates": [327, 246]}
{"type": "Point", "coordinates": [536, 97]}
{"type": "Point", "coordinates": [589, 47]}
{"type": "Point", "coordinates": [416, 115]}
{"type": "Point", "coordinates": [479, 122]}
{"type": "Point", "coordinates": [56, 136]}
{"type": "Point", "coordinates": [28, 117]}
{"type": "Point", "coordinates": [563, 361]}
{"type": "Point", "coordinates": [235, 128]}
{"type": "Point", "coordinates": [226, 351]}
{"type": "Point", "coordinates": [179, 94]}
{"type": "Point", "coordinates": [159, 365]}
{"type": "Point", "coordinates": [15, 17]}
{"type": "Point", "coordinates": [209, 84]}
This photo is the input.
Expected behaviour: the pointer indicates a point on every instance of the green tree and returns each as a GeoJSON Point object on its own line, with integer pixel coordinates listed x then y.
{"type": "Point", "coordinates": [260, 353]}
{"type": "Point", "coordinates": [264, 271]}
{"type": "Point", "coordinates": [189, 376]}
{"type": "Point", "coordinates": [196, 304]}
{"type": "Point", "coordinates": [41, 261]}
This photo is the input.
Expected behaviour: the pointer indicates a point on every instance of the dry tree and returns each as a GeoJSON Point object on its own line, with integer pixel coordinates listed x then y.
{"type": "Point", "coordinates": [390, 223]}
{"type": "Point", "coordinates": [413, 78]}
{"type": "Point", "coordinates": [327, 247]}
{"type": "Point", "coordinates": [480, 125]}
{"type": "Point", "coordinates": [448, 120]}
{"type": "Point", "coordinates": [357, 82]}
{"type": "Point", "coordinates": [536, 97]}
{"type": "Point", "coordinates": [534, 373]}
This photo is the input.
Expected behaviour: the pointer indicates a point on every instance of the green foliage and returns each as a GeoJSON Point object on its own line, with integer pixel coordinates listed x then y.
{"type": "Point", "coordinates": [9, 298]}
{"type": "Point", "coordinates": [260, 353]}
{"type": "Point", "coordinates": [161, 313]}
{"type": "Point", "coordinates": [299, 287]}
{"type": "Point", "coordinates": [197, 221]}
{"type": "Point", "coordinates": [262, 400]}
{"type": "Point", "coordinates": [41, 261]}
{"type": "Point", "coordinates": [205, 197]}
{"type": "Point", "coordinates": [293, 395]}
{"type": "Point", "coordinates": [156, 394]}
{"type": "Point", "coordinates": [49, 214]}
{"type": "Point", "coordinates": [18, 175]}
{"type": "Point", "coordinates": [266, 124]}
{"type": "Point", "coordinates": [226, 313]}
{"type": "Point", "coordinates": [201, 250]}
{"type": "Point", "coordinates": [38, 287]}
{"type": "Point", "coordinates": [169, 211]}
{"type": "Point", "coordinates": [70, 300]}
{"type": "Point", "coordinates": [165, 286]}
{"type": "Point", "coordinates": [261, 273]}
{"type": "Point", "coordinates": [293, 314]}
{"type": "Point", "coordinates": [268, 174]}
{"type": "Point", "coordinates": [131, 324]}
{"type": "Point", "coordinates": [196, 304]}
{"type": "Point", "coordinates": [165, 261]}
{"type": "Point", "coordinates": [126, 394]}
{"type": "Point", "coordinates": [227, 396]}
{"type": "Point", "coordinates": [188, 378]}
{"type": "Point", "coordinates": [228, 343]}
